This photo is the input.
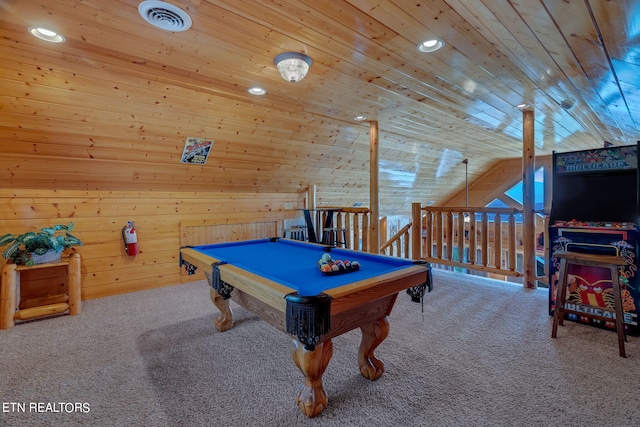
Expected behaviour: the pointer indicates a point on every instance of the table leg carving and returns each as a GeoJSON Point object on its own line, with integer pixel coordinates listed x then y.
{"type": "Point", "coordinates": [312, 397]}
{"type": "Point", "coordinates": [224, 322]}
{"type": "Point", "coordinates": [372, 335]}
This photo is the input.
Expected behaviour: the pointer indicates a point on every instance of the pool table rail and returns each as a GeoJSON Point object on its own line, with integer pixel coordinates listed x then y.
{"type": "Point", "coordinates": [265, 290]}
{"type": "Point", "coordinates": [381, 285]}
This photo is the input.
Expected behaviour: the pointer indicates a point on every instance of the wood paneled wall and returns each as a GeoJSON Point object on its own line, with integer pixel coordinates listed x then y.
{"type": "Point", "coordinates": [100, 215]}
{"type": "Point", "coordinates": [205, 232]}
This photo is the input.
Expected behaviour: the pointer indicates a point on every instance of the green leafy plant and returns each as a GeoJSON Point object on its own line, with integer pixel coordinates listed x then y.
{"type": "Point", "coordinates": [56, 238]}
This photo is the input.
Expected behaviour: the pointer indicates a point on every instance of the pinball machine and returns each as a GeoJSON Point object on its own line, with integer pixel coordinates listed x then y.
{"type": "Point", "coordinates": [595, 209]}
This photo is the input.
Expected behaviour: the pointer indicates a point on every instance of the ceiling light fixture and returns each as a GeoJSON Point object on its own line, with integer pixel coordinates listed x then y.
{"type": "Point", "coordinates": [523, 106]}
{"type": "Point", "coordinates": [360, 118]}
{"type": "Point", "coordinates": [430, 45]}
{"type": "Point", "coordinates": [47, 35]}
{"type": "Point", "coordinates": [255, 90]}
{"type": "Point", "coordinates": [292, 66]}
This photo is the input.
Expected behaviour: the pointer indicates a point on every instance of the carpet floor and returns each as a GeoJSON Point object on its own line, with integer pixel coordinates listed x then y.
{"type": "Point", "coordinates": [480, 354]}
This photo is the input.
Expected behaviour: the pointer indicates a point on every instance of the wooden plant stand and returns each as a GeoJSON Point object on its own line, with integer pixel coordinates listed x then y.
{"type": "Point", "coordinates": [46, 306]}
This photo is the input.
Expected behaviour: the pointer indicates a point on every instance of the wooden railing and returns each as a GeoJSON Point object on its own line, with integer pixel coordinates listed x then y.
{"type": "Point", "coordinates": [399, 244]}
{"type": "Point", "coordinates": [461, 237]}
{"type": "Point", "coordinates": [465, 237]}
{"type": "Point", "coordinates": [356, 223]}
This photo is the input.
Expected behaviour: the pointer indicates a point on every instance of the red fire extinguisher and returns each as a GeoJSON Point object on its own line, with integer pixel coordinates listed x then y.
{"type": "Point", "coordinates": [130, 239]}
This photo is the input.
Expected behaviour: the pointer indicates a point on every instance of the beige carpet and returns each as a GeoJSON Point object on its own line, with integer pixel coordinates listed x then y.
{"type": "Point", "coordinates": [480, 355]}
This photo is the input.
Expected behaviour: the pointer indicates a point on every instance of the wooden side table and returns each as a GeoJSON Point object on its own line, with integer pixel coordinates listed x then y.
{"type": "Point", "coordinates": [10, 298]}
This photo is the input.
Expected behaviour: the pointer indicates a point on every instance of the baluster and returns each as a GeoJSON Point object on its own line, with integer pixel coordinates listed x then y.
{"type": "Point", "coordinates": [497, 243]}
{"type": "Point", "coordinates": [512, 242]}
{"type": "Point", "coordinates": [439, 235]}
{"type": "Point", "coordinates": [407, 240]}
{"type": "Point", "coordinates": [485, 239]}
{"type": "Point", "coordinates": [365, 233]}
{"type": "Point", "coordinates": [473, 237]}
{"type": "Point", "coordinates": [449, 234]}
{"type": "Point", "coordinates": [357, 231]}
{"type": "Point", "coordinates": [429, 236]}
{"type": "Point", "coordinates": [461, 237]}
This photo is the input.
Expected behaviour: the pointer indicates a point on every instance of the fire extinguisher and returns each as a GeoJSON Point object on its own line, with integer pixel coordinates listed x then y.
{"type": "Point", "coordinates": [130, 239]}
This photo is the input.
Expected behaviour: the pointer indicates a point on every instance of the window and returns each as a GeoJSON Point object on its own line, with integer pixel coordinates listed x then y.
{"type": "Point", "coordinates": [516, 194]}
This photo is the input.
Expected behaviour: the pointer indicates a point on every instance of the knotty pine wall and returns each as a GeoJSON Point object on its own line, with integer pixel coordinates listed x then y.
{"type": "Point", "coordinates": [100, 215]}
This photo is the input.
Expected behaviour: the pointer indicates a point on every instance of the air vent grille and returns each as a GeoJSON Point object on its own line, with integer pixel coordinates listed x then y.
{"type": "Point", "coordinates": [164, 15]}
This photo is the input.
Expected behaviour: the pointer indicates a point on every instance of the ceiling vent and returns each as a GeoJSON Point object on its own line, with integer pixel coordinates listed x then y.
{"type": "Point", "coordinates": [164, 15]}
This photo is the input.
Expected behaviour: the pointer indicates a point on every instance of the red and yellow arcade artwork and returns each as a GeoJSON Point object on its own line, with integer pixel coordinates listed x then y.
{"type": "Point", "coordinates": [590, 292]}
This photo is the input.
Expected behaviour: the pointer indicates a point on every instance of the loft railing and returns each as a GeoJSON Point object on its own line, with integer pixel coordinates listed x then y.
{"type": "Point", "coordinates": [357, 224]}
{"type": "Point", "coordinates": [474, 238]}
{"type": "Point", "coordinates": [355, 221]}
{"type": "Point", "coordinates": [399, 244]}
{"type": "Point", "coordinates": [483, 239]}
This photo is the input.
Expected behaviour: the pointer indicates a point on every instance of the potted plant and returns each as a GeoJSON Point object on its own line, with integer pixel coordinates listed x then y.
{"type": "Point", "coordinates": [23, 248]}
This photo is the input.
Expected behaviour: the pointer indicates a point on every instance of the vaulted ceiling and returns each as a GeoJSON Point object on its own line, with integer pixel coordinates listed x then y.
{"type": "Point", "coordinates": [111, 107]}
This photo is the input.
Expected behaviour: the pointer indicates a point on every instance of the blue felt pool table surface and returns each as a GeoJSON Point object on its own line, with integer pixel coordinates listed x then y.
{"type": "Point", "coordinates": [295, 264]}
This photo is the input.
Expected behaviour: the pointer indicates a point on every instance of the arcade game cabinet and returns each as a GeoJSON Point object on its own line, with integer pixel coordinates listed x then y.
{"type": "Point", "coordinates": [595, 209]}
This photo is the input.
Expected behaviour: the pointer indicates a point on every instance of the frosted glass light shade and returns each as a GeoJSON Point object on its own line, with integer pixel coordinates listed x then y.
{"type": "Point", "coordinates": [292, 66]}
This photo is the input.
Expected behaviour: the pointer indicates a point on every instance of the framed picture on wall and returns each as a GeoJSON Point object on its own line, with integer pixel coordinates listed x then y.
{"type": "Point", "coordinates": [196, 150]}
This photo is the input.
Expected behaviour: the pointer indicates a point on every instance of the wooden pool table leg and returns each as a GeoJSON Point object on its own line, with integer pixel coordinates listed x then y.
{"type": "Point", "coordinates": [312, 397]}
{"type": "Point", "coordinates": [224, 322]}
{"type": "Point", "coordinates": [372, 335]}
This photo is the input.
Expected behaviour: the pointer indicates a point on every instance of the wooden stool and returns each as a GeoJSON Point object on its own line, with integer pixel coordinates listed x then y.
{"type": "Point", "coordinates": [604, 261]}
{"type": "Point", "coordinates": [334, 236]}
{"type": "Point", "coordinates": [46, 306]}
{"type": "Point", "coordinates": [296, 233]}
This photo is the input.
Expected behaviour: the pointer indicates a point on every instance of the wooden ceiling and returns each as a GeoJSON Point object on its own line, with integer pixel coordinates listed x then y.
{"type": "Point", "coordinates": [111, 107]}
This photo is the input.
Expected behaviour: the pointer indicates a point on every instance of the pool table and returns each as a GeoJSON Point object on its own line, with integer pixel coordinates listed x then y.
{"type": "Point", "coordinates": [280, 281]}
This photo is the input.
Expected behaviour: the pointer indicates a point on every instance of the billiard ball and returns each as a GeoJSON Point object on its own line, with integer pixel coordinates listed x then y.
{"type": "Point", "coordinates": [326, 257]}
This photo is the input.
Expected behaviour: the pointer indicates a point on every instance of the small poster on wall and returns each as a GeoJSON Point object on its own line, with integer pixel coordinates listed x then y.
{"type": "Point", "coordinates": [196, 150]}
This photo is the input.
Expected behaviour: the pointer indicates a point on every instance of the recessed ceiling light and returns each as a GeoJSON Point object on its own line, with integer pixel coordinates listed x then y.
{"type": "Point", "coordinates": [47, 35]}
{"type": "Point", "coordinates": [430, 45]}
{"type": "Point", "coordinates": [360, 118]}
{"type": "Point", "coordinates": [257, 91]}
